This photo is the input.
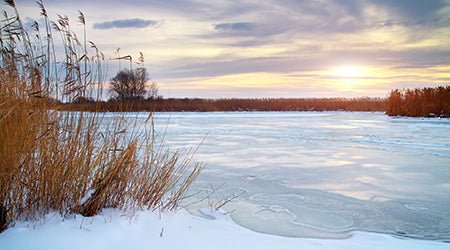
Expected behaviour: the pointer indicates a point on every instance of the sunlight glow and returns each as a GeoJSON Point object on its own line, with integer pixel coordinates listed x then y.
{"type": "Point", "coordinates": [349, 71]}
{"type": "Point", "coordinates": [349, 78]}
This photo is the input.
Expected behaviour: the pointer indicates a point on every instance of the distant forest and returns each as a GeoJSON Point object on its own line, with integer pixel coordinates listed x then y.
{"type": "Point", "coordinates": [234, 104]}
{"type": "Point", "coordinates": [419, 102]}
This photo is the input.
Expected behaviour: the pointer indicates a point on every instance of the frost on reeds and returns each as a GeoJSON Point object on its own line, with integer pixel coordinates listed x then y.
{"type": "Point", "coordinates": [71, 162]}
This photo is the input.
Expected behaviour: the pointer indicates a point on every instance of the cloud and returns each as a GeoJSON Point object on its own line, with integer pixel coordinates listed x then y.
{"type": "Point", "coordinates": [134, 23]}
{"type": "Point", "coordinates": [413, 8]}
{"type": "Point", "coordinates": [435, 22]}
{"type": "Point", "coordinates": [238, 26]}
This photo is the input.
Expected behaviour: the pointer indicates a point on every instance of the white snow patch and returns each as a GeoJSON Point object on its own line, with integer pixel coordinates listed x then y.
{"type": "Point", "coordinates": [87, 196]}
{"type": "Point", "coordinates": [150, 230]}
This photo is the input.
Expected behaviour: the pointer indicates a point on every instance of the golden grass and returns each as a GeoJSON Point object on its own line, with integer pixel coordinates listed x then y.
{"type": "Point", "coordinates": [72, 162]}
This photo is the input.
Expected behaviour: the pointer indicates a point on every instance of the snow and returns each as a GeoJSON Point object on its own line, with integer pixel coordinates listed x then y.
{"type": "Point", "coordinates": [150, 230]}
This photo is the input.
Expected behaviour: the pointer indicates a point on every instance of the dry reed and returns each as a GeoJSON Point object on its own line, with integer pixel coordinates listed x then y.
{"type": "Point", "coordinates": [72, 162]}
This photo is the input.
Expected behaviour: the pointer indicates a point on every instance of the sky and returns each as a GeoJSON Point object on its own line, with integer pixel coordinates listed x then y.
{"type": "Point", "coordinates": [272, 48]}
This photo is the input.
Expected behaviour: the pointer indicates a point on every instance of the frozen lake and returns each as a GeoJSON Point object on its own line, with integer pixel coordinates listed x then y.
{"type": "Point", "coordinates": [324, 175]}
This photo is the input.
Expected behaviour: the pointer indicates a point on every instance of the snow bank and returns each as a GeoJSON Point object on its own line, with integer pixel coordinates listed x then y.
{"type": "Point", "coordinates": [150, 230]}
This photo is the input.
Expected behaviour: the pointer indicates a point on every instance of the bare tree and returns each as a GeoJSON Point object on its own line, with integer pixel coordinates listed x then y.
{"type": "Point", "coordinates": [129, 84]}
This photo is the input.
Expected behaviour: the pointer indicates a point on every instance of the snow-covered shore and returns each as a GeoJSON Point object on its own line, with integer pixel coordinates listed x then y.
{"type": "Point", "coordinates": [150, 230]}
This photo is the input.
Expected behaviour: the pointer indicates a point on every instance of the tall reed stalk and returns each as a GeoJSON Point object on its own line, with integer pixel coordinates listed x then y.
{"type": "Point", "coordinates": [72, 162]}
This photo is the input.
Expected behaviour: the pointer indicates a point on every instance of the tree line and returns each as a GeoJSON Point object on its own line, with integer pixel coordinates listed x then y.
{"type": "Point", "coordinates": [232, 104]}
{"type": "Point", "coordinates": [419, 102]}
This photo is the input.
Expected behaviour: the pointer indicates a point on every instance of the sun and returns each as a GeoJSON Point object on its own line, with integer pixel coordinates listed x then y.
{"type": "Point", "coordinates": [348, 71]}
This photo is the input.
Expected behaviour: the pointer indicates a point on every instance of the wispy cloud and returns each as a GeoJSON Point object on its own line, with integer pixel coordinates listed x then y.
{"type": "Point", "coordinates": [413, 8]}
{"type": "Point", "coordinates": [238, 26]}
{"type": "Point", "coordinates": [133, 23]}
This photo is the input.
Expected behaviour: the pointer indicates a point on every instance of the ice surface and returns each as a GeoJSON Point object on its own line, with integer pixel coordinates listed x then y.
{"type": "Point", "coordinates": [354, 171]}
